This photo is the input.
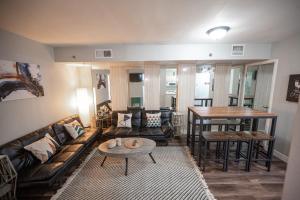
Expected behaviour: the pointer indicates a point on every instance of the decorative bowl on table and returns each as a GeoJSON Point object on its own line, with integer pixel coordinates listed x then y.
{"type": "Point", "coordinates": [133, 143]}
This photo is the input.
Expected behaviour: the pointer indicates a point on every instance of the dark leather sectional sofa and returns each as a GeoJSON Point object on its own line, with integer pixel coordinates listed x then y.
{"type": "Point", "coordinates": [139, 128]}
{"type": "Point", "coordinates": [30, 171]}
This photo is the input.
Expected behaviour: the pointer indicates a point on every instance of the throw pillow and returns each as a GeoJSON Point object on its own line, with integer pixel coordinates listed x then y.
{"type": "Point", "coordinates": [124, 120]}
{"type": "Point", "coordinates": [44, 148]}
{"type": "Point", "coordinates": [74, 129]}
{"type": "Point", "coordinates": [153, 120]}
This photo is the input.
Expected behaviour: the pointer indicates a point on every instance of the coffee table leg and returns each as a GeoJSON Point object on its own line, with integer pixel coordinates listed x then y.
{"type": "Point", "coordinates": [150, 154]}
{"type": "Point", "coordinates": [103, 161]}
{"type": "Point", "coordinates": [126, 167]}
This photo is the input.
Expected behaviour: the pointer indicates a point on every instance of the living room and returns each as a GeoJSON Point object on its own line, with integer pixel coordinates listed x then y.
{"type": "Point", "coordinates": [149, 99]}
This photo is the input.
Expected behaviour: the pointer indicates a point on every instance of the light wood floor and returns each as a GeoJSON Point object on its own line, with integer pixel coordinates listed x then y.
{"type": "Point", "coordinates": [237, 184]}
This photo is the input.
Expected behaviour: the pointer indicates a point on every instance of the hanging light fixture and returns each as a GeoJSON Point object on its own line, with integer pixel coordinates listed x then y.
{"type": "Point", "coordinates": [218, 32]}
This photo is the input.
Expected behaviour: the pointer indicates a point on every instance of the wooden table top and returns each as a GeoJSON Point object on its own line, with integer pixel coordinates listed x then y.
{"type": "Point", "coordinates": [124, 152]}
{"type": "Point", "coordinates": [230, 112]}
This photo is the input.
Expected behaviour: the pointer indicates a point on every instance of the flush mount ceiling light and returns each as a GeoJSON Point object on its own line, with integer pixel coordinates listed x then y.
{"type": "Point", "coordinates": [218, 32]}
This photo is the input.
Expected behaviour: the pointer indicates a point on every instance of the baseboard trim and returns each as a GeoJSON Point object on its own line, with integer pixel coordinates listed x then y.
{"type": "Point", "coordinates": [281, 156]}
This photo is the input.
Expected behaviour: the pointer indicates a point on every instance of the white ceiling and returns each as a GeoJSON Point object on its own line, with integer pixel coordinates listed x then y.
{"type": "Point", "coordinates": [70, 22]}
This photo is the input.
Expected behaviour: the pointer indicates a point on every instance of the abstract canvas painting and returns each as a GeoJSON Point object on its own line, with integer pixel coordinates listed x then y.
{"type": "Point", "coordinates": [19, 81]}
{"type": "Point", "coordinates": [293, 88]}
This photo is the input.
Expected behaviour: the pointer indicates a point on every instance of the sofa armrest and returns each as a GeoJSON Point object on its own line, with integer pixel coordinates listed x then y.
{"type": "Point", "coordinates": [167, 129]}
{"type": "Point", "coordinates": [108, 130]}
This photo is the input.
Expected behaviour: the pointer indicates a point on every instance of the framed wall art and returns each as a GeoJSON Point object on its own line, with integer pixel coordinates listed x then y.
{"type": "Point", "coordinates": [19, 81]}
{"type": "Point", "coordinates": [293, 88]}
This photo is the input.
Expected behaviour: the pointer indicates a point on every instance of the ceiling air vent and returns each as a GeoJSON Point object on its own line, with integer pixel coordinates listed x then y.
{"type": "Point", "coordinates": [103, 53]}
{"type": "Point", "coordinates": [238, 50]}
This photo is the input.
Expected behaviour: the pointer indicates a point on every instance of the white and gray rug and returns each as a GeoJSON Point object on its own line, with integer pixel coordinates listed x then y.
{"type": "Point", "coordinates": [174, 176]}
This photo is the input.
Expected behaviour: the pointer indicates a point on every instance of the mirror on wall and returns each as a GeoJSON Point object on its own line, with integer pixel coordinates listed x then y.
{"type": "Point", "coordinates": [136, 87]}
{"type": "Point", "coordinates": [101, 92]}
{"type": "Point", "coordinates": [234, 86]}
{"type": "Point", "coordinates": [250, 86]}
{"type": "Point", "coordinates": [204, 86]}
{"type": "Point", "coordinates": [168, 76]}
{"type": "Point", "coordinates": [258, 86]}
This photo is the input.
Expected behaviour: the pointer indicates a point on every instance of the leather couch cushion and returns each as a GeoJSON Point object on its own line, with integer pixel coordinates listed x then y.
{"type": "Point", "coordinates": [151, 132]}
{"type": "Point", "coordinates": [72, 148]}
{"type": "Point", "coordinates": [63, 157]}
{"type": "Point", "coordinates": [28, 167]}
{"type": "Point", "coordinates": [85, 138]}
{"type": "Point", "coordinates": [20, 157]}
{"type": "Point", "coordinates": [61, 133]}
{"type": "Point", "coordinates": [40, 172]}
{"type": "Point", "coordinates": [109, 131]}
{"type": "Point", "coordinates": [121, 132]}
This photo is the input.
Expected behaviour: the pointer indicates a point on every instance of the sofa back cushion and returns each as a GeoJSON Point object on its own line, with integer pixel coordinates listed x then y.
{"type": "Point", "coordinates": [166, 116]}
{"type": "Point", "coordinates": [43, 148]}
{"type": "Point", "coordinates": [61, 133]}
{"type": "Point", "coordinates": [20, 157]}
{"type": "Point", "coordinates": [135, 119]}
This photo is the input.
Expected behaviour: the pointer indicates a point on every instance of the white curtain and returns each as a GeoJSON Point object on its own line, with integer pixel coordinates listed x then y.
{"type": "Point", "coordinates": [186, 74]}
{"type": "Point", "coordinates": [221, 85]}
{"type": "Point", "coordinates": [119, 87]}
{"type": "Point", "coordinates": [152, 87]}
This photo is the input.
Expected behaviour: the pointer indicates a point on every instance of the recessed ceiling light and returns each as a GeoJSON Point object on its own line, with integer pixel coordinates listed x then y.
{"type": "Point", "coordinates": [218, 32]}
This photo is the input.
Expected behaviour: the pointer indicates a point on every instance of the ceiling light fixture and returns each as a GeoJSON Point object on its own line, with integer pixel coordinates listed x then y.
{"type": "Point", "coordinates": [218, 32]}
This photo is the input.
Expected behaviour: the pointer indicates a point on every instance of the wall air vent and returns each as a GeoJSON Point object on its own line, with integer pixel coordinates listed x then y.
{"type": "Point", "coordinates": [103, 53]}
{"type": "Point", "coordinates": [238, 50]}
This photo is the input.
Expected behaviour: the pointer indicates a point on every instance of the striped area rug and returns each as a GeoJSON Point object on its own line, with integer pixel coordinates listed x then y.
{"type": "Point", "coordinates": [174, 176]}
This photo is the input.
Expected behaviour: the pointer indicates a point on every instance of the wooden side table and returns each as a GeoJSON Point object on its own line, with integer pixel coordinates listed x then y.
{"type": "Point", "coordinates": [103, 122]}
{"type": "Point", "coordinates": [177, 122]}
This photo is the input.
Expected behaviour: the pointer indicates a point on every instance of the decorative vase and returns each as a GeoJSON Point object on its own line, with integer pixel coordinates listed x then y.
{"type": "Point", "coordinates": [111, 144]}
{"type": "Point", "coordinates": [119, 141]}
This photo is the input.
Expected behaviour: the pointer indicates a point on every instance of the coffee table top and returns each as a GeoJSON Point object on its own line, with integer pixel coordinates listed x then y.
{"type": "Point", "coordinates": [124, 152]}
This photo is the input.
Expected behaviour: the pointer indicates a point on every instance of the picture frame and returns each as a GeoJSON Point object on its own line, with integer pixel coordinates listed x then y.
{"type": "Point", "coordinates": [293, 88]}
{"type": "Point", "coordinates": [20, 80]}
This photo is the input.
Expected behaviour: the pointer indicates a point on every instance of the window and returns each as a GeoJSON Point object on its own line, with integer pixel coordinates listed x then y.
{"type": "Point", "coordinates": [204, 86]}
{"type": "Point", "coordinates": [136, 87]}
{"type": "Point", "coordinates": [168, 76]}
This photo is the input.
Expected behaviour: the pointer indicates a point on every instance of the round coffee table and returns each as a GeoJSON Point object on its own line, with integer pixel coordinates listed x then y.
{"type": "Point", "coordinates": [124, 152]}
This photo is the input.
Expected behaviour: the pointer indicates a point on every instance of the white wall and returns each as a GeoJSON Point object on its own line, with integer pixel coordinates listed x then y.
{"type": "Point", "coordinates": [288, 53]}
{"type": "Point", "coordinates": [85, 81]}
{"type": "Point", "coordinates": [20, 117]}
{"type": "Point", "coordinates": [291, 185]}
